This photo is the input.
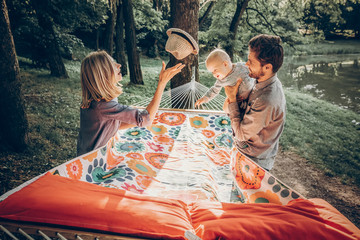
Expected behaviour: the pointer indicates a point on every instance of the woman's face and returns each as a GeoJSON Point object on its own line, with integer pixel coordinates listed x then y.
{"type": "Point", "coordinates": [118, 75]}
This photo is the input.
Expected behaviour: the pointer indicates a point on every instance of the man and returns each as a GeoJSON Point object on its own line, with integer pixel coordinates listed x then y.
{"type": "Point", "coordinates": [257, 133]}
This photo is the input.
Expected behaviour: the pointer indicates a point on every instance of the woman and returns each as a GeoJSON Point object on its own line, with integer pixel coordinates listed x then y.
{"type": "Point", "coordinates": [101, 115]}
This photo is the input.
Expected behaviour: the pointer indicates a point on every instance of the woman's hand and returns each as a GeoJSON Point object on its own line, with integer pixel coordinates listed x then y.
{"type": "Point", "coordinates": [164, 78]}
{"type": "Point", "coordinates": [167, 74]}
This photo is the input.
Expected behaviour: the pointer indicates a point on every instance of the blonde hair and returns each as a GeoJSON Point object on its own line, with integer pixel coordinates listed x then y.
{"type": "Point", "coordinates": [218, 54]}
{"type": "Point", "coordinates": [98, 78]}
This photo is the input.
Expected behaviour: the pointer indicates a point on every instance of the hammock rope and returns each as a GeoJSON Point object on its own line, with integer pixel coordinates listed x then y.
{"type": "Point", "coordinates": [185, 96]}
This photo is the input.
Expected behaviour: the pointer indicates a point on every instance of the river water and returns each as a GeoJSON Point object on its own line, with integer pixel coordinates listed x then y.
{"type": "Point", "coordinates": [333, 78]}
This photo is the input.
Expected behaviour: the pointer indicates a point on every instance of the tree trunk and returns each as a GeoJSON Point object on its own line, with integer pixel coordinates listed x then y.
{"type": "Point", "coordinates": [185, 15]}
{"type": "Point", "coordinates": [13, 121]}
{"type": "Point", "coordinates": [97, 38]}
{"type": "Point", "coordinates": [52, 48]}
{"type": "Point", "coordinates": [119, 40]}
{"type": "Point", "coordinates": [240, 8]}
{"type": "Point", "coordinates": [156, 5]}
{"type": "Point", "coordinates": [133, 55]}
{"type": "Point", "coordinates": [109, 28]}
{"type": "Point", "coordinates": [206, 14]}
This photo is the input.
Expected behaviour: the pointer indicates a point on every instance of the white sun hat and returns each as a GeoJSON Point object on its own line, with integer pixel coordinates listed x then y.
{"type": "Point", "coordinates": [180, 44]}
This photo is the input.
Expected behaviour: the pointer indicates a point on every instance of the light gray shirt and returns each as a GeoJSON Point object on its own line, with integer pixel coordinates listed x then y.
{"type": "Point", "coordinates": [257, 134]}
{"type": "Point", "coordinates": [101, 121]}
{"type": "Point", "coordinates": [240, 70]}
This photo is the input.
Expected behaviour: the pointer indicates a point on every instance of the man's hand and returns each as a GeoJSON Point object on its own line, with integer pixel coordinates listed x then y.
{"type": "Point", "coordinates": [226, 106]}
{"type": "Point", "coordinates": [231, 91]}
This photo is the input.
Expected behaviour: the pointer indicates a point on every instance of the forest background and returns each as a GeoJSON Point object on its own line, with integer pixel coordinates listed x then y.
{"type": "Point", "coordinates": [44, 42]}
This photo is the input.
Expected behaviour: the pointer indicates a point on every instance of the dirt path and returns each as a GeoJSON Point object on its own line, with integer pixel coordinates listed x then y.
{"type": "Point", "coordinates": [303, 177]}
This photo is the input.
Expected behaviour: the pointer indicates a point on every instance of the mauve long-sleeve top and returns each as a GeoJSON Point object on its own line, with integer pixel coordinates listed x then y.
{"type": "Point", "coordinates": [101, 121]}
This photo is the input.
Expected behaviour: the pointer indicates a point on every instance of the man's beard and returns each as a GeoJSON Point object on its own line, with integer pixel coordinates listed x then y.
{"type": "Point", "coordinates": [257, 75]}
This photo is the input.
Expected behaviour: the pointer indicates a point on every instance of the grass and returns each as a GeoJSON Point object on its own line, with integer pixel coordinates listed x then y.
{"type": "Point", "coordinates": [324, 134]}
{"type": "Point", "coordinates": [327, 48]}
{"type": "Point", "coordinates": [319, 131]}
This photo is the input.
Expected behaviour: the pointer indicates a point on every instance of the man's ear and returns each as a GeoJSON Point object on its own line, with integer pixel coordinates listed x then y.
{"type": "Point", "coordinates": [226, 63]}
{"type": "Point", "coordinates": [268, 67]}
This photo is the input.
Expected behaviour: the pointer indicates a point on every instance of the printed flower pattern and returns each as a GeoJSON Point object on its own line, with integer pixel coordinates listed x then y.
{"type": "Point", "coordinates": [132, 159]}
{"type": "Point", "coordinates": [136, 134]}
{"type": "Point", "coordinates": [209, 145]}
{"type": "Point", "coordinates": [248, 174]}
{"type": "Point", "coordinates": [141, 168]}
{"type": "Point", "coordinates": [91, 156]}
{"type": "Point", "coordinates": [74, 169]}
{"type": "Point", "coordinates": [198, 122]}
{"type": "Point", "coordinates": [220, 123]}
{"type": "Point", "coordinates": [156, 159]}
{"type": "Point", "coordinates": [164, 140]}
{"type": "Point", "coordinates": [265, 197]}
{"type": "Point", "coordinates": [132, 188]}
{"type": "Point", "coordinates": [156, 119]}
{"type": "Point", "coordinates": [208, 133]}
{"type": "Point", "coordinates": [143, 181]}
{"type": "Point", "coordinates": [174, 132]}
{"type": "Point", "coordinates": [129, 147]}
{"type": "Point", "coordinates": [224, 140]}
{"type": "Point", "coordinates": [219, 157]}
{"type": "Point", "coordinates": [158, 129]}
{"type": "Point", "coordinates": [113, 159]}
{"type": "Point", "coordinates": [136, 156]}
{"type": "Point", "coordinates": [97, 173]}
{"type": "Point", "coordinates": [172, 119]}
{"type": "Point", "coordinates": [223, 122]}
{"type": "Point", "coordinates": [154, 147]}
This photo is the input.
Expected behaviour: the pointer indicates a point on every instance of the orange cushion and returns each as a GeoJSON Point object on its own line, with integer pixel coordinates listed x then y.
{"type": "Point", "coordinates": [63, 201]}
{"type": "Point", "coordinates": [300, 219]}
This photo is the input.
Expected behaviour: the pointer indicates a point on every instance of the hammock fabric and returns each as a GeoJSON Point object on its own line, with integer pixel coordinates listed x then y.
{"type": "Point", "coordinates": [181, 178]}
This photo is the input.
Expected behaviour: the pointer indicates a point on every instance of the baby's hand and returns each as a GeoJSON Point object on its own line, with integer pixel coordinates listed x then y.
{"type": "Point", "coordinates": [199, 102]}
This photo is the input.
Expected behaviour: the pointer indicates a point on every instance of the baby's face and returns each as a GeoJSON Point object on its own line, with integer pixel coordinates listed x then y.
{"type": "Point", "coordinates": [219, 69]}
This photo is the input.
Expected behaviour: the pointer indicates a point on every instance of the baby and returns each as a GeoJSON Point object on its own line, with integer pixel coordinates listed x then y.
{"type": "Point", "coordinates": [227, 74]}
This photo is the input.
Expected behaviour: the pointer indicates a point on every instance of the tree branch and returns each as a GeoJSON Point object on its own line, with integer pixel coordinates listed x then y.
{"type": "Point", "coordinates": [267, 22]}
{"type": "Point", "coordinates": [269, 25]}
{"type": "Point", "coordinates": [247, 21]}
{"type": "Point", "coordinates": [204, 3]}
{"type": "Point", "coordinates": [205, 15]}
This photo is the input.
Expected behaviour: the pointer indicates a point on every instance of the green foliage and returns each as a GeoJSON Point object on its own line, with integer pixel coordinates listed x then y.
{"type": "Point", "coordinates": [217, 35]}
{"type": "Point", "coordinates": [85, 15]}
{"type": "Point", "coordinates": [350, 13]}
{"type": "Point", "coordinates": [148, 19]}
{"type": "Point", "coordinates": [150, 27]}
{"type": "Point", "coordinates": [68, 17]}
{"type": "Point", "coordinates": [323, 16]}
{"type": "Point", "coordinates": [272, 17]}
